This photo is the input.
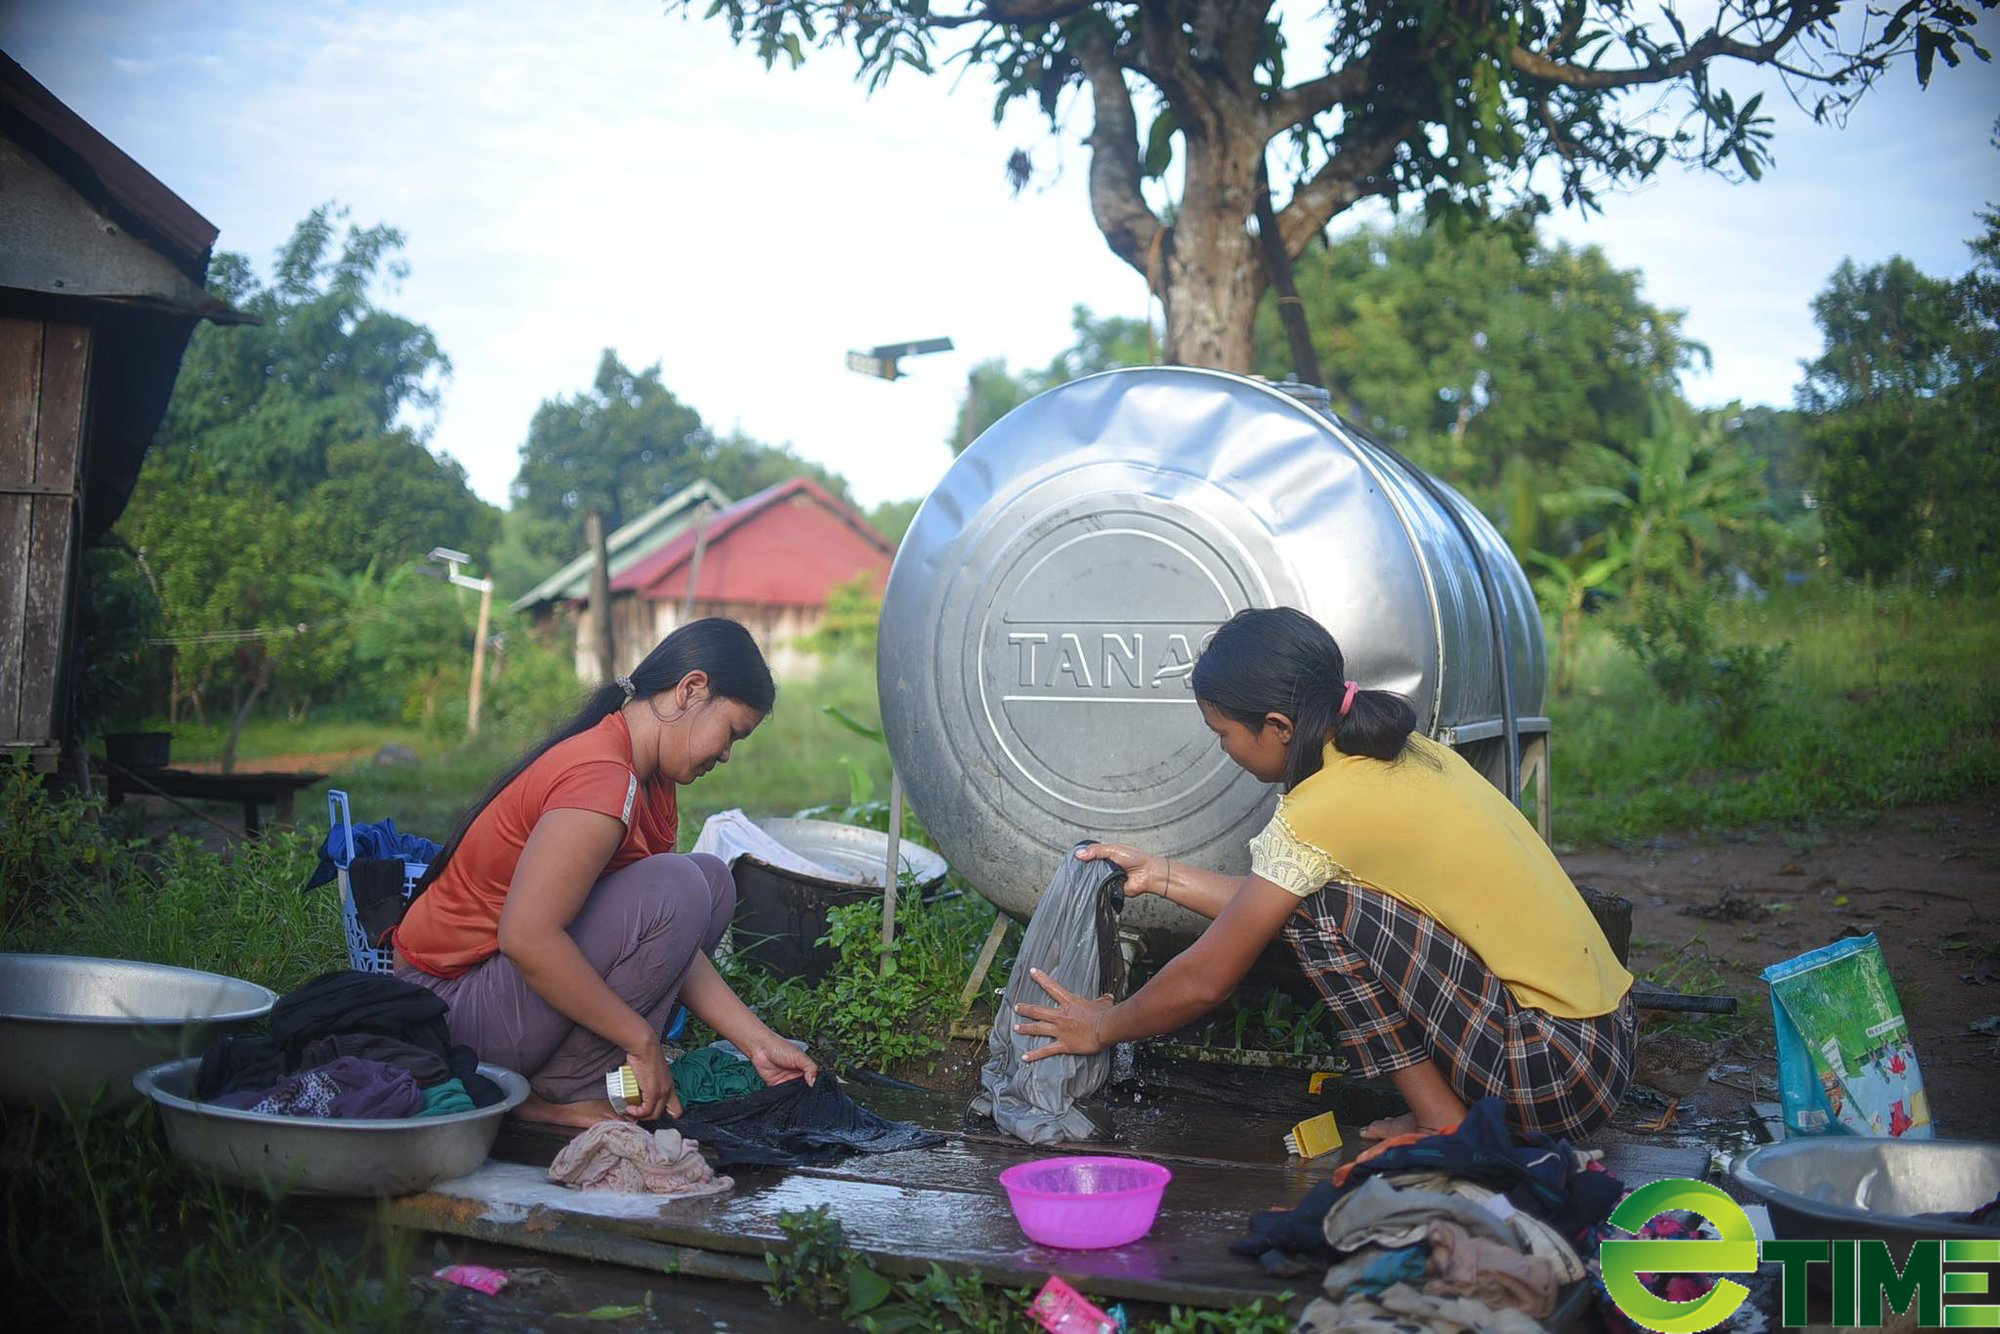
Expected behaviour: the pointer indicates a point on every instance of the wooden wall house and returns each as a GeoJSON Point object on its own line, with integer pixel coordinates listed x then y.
{"type": "Point", "coordinates": [101, 273]}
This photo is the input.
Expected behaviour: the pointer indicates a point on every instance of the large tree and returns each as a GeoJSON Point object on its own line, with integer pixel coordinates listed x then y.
{"type": "Point", "coordinates": [1904, 414]}
{"type": "Point", "coordinates": [1451, 102]}
{"type": "Point", "coordinates": [1474, 352]}
{"type": "Point", "coordinates": [291, 448]}
{"type": "Point", "coordinates": [619, 448]}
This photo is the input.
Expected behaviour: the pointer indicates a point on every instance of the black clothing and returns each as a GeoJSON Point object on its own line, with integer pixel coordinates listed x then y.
{"type": "Point", "coordinates": [793, 1123]}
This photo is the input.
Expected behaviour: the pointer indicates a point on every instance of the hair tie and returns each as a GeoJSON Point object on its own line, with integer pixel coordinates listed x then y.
{"type": "Point", "coordinates": [624, 683]}
{"type": "Point", "coordinates": [1347, 700]}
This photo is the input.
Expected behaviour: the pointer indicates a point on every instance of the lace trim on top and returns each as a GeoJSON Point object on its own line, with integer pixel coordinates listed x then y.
{"type": "Point", "coordinates": [1280, 856]}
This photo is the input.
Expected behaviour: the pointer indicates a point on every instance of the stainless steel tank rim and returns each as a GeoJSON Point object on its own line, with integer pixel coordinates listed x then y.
{"type": "Point", "coordinates": [1409, 529]}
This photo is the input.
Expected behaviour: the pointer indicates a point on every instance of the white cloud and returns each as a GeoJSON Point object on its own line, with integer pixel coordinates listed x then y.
{"type": "Point", "coordinates": [593, 174]}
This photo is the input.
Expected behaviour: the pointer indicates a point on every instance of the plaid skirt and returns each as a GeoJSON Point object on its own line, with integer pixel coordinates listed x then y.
{"type": "Point", "coordinates": [1402, 990]}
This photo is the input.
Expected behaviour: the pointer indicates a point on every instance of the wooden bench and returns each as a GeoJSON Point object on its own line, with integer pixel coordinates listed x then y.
{"type": "Point", "coordinates": [275, 789]}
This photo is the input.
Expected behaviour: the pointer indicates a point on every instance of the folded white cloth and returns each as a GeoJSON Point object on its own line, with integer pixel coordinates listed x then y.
{"type": "Point", "coordinates": [732, 834]}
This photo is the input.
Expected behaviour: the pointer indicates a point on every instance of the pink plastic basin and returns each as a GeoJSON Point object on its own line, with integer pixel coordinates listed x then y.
{"type": "Point", "coordinates": [1085, 1204]}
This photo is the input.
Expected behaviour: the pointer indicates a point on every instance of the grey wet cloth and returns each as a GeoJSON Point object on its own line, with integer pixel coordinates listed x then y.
{"type": "Point", "coordinates": [1072, 938]}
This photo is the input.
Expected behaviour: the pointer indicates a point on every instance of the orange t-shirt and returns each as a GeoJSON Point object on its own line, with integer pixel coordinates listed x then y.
{"type": "Point", "coordinates": [455, 924]}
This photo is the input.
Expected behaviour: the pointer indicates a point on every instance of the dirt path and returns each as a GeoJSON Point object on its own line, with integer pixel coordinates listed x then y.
{"type": "Point", "coordinates": [1926, 881]}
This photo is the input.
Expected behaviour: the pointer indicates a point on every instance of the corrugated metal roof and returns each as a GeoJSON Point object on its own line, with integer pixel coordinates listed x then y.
{"type": "Point", "coordinates": [799, 574]}
{"type": "Point", "coordinates": [108, 179]}
{"type": "Point", "coordinates": [632, 543]}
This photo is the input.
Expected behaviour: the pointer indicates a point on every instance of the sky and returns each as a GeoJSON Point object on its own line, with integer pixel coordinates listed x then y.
{"type": "Point", "coordinates": [595, 174]}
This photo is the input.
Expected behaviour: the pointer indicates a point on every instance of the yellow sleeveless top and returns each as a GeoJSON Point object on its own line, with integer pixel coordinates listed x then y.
{"type": "Point", "coordinates": [1428, 830]}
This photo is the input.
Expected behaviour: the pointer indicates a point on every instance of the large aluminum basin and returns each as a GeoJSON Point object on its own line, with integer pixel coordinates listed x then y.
{"type": "Point", "coordinates": [298, 1155]}
{"type": "Point", "coordinates": [75, 1030]}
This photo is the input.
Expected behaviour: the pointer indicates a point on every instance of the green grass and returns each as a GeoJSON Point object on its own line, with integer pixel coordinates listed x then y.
{"type": "Point", "coordinates": [102, 1226]}
{"type": "Point", "coordinates": [798, 757]}
{"type": "Point", "coordinates": [1889, 698]}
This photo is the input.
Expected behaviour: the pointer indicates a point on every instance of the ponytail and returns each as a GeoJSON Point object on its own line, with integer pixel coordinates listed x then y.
{"type": "Point", "coordinates": [714, 645]}
{"type": "Point", "coordinates": [1279, 660]}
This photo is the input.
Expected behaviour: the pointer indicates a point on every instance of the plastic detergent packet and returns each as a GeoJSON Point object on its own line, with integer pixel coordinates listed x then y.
{"type": "Point", "coordinates": [1061, 1309]}
{"type": "Point", "coordinates": [1846, 1065]}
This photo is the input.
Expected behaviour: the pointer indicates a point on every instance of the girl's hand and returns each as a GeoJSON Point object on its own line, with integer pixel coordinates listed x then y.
{"type": "Point", "coordinates": [1145, 872]}
{"type": "Point", "coordinates": [779, 1061]}
{"type": "Point", "coordinates": [1076, 1024]}
{"type": "Point", "coordinates": [656, 1084]}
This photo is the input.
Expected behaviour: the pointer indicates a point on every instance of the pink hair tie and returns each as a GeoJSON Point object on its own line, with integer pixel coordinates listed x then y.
{"type": "Point", "coordinates": [1347, 700]}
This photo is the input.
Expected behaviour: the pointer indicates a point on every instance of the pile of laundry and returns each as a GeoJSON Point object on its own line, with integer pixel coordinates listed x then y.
{"type": "Point", "coordinates": [1473, 1229]}
{"type": "Point", "coordinates": [727, 1108]}
{"type": "Point", "coordinates": [348, 1045]}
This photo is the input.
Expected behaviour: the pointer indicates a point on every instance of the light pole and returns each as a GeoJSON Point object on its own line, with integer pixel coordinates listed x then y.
{"type": "Point", "coordinates": [452, 560]}
{"type": "Point", "coordinates": [881, 361]}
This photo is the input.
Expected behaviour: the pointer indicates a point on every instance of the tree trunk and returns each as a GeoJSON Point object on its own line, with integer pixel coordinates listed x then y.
{"type": "Point", "coordinates": [264, 670]}
{"type": "Point", "coordinates": [1213, 285]}
{"type": "Point", "coordinates": [600, 597]}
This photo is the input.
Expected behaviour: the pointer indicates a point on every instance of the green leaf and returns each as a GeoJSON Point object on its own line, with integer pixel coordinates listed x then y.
{"type": "Point", "coordinates": [851, 723]}
{"type": "Point", "coordinates": [866, 1289]}
{"type": "Point", "coordinates": [1160, 143]}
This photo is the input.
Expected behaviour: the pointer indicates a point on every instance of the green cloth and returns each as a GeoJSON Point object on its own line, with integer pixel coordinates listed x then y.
{"type": "Point", "coordinates": [444, 1099]}
{"type": "Point", "coordinates": [709, 1074]}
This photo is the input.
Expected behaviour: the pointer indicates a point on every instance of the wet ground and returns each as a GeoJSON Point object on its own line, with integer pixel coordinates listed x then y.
{"type": "Point", "coordinates": [1715, 911]}
{"type": "Point", "coordinates": [1219, 1129]}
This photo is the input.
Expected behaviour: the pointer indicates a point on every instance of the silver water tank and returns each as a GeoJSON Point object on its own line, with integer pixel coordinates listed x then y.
{"type": "Point", "coordinates": [1045, 610]}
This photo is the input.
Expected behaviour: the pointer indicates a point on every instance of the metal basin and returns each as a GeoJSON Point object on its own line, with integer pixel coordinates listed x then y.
{"type": "Point", "coordinates": [858, 854]}
{"type": "Point", "coordinates": [293, 1155]}
{"type": "Point", "coordinates": [77, 1029]}
{"type": "Point", "coordinates": [1854, 1187]}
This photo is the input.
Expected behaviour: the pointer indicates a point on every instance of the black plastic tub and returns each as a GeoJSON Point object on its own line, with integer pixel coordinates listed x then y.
{"type": "Point", "coordinates": [781, 914]}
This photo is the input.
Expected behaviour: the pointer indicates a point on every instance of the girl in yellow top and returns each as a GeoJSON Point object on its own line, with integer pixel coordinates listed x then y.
{"type": "Point", "coordinates": [1455, 955]}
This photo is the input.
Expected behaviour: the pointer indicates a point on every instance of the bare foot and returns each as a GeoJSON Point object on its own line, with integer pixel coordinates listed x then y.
{"type": "Point", "coordinates": [1391, 1126]}
{"type": "Point", "coordinates": [583, 1114]}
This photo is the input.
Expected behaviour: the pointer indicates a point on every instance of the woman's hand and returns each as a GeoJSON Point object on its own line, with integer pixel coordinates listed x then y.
{"type": "Point", "coordinates": [1076, 1024]}
{"type": "Point", "coordinates": [1145, 872]}
{"type": "Point", "coordinates": [779, 1061]}
{"type": "Point", "coordinates": [656, 1084]}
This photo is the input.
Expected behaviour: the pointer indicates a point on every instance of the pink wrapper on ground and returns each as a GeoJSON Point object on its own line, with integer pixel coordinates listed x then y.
{"type": "Point", "coordinates": [477, 1277]}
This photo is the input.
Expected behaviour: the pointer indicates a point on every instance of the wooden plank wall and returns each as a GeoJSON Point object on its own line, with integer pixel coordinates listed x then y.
{"type": "Point", "coordinates": [44, 369]}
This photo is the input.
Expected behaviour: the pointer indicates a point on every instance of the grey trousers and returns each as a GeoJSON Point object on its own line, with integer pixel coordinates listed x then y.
{"type": "Point", "coordinates": [640, 928]}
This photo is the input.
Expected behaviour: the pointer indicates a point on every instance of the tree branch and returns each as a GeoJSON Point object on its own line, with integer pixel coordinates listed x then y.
{"type": "Point", "coordinates": [1711, 45]}
{"type": "Point", "coordinates": [1116, 202]}
{"type": "Point", "coordinates": [1015, 12]}
{"type": "Point", "coordinates": [1302, 101]}
{"type": "Point", "coordinates": [1344, 181]}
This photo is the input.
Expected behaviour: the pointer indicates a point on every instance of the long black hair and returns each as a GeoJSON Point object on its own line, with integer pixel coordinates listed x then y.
{"type": "Point", "coordinates": [715, 645]}
{"type": "Point", "coordinates": [1280, 660]}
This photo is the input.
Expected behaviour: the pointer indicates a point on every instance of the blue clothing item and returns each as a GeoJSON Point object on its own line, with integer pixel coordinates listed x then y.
{"type": "Point", "coordinates": [379, 840]}
{"type": "Point", "coordinates": [1392, 1267]}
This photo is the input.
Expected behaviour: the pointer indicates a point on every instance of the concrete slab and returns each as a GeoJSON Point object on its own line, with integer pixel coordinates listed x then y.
{"type": "Point", "coordinates": [1219, 1130]}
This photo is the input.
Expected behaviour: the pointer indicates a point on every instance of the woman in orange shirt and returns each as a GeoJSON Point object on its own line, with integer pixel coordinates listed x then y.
{"type": "Point", "coordinates": [559, 925]}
